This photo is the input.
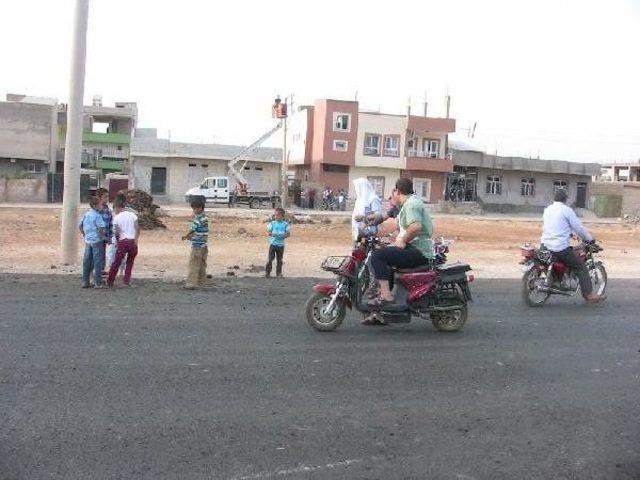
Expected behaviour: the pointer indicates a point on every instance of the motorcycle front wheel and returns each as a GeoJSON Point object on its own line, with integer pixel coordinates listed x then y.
{"type": "Point", "coordinates": [317, 316]}
{"type": "Point", "coordinates": [531, 295]}
{"type": "Point", "coordinates": [598, 278]}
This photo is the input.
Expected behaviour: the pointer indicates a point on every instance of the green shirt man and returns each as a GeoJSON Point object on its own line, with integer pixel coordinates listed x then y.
{"type": "Point", "coordinates": [414, 211]}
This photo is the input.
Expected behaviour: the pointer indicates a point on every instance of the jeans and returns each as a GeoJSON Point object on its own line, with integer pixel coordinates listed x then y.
{"type": "Point", "coordinates": [126, 248]}
{"type": "Point", "coordinates": [382, 260]}
{"type": "Point", "coordinates": [277, 253]}
{"type": "Point", "coordinates": [93, 259]}
{"type": "Point", "coordinates": [578, 267]}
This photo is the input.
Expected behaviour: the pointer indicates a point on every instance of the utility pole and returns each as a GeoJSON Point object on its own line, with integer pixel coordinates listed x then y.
{"type": "Point", "coordinates": [284, 194]}
{"type": "Point", "coordinates": [73, 145]}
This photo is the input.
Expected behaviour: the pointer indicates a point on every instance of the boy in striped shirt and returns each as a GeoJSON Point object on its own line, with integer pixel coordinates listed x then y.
{"type": "Point", "coordinates": [199, 236]}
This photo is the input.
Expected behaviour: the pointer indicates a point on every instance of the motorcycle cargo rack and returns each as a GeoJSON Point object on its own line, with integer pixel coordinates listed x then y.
{"type": "Point", "coordinates": [335, 264]}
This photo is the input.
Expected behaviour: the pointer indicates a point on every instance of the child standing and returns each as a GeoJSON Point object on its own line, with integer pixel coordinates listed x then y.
{"type": "Point", "coordinates": [107, 216]}
{"type": "Point", "coordinates": [92, 228]}
{"type": "Point", "coordinates": [278, 229]}
{"type": "Point", "coordinates": [127, 232]}
{"type": "Point", "coordinates": [199, 236]}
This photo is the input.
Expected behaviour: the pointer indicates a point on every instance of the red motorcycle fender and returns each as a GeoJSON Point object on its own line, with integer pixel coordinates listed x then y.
{"type": "Point", "coordinates": [329, 289]}
{"type": "Point", "coordinates": [325, 288]}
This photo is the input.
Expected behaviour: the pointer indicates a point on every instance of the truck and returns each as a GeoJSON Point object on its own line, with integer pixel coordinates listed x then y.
{"type": "Point", "coordinates": [217, 190]}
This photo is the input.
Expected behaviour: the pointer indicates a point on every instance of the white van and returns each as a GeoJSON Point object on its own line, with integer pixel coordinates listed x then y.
{"type": "Point", "coordinates": [217, 190]}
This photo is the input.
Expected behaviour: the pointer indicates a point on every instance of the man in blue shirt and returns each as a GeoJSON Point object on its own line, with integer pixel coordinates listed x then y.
{"type": "Point", "coordinates": [278, 229]}
{"type": "Point", "coordinates": [92, 228]}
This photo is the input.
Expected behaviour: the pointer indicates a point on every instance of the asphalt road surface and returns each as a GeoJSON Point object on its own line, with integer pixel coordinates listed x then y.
{"type": "Point", "coordinates": [154, 382]}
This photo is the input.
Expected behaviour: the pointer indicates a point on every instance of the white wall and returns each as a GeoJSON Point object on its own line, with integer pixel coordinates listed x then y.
{"type": "Point", "coordinates": [297, 137]}
{"type": "Point", "coordinates": [390, 177]}
{"type": "Point", "coordinates": [383, 125]}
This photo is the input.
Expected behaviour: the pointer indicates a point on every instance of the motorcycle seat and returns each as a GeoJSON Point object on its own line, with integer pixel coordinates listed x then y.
{"type": "Point", "coordinates": [422, 268]}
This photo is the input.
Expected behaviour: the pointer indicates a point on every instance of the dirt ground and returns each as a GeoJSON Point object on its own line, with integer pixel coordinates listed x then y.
{"type": "Point", "coordinates": [30, 243]}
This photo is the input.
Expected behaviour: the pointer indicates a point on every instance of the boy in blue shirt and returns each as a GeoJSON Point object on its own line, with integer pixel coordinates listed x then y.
{"type": "Point", "coordinates": [92, 228]}
{"type": "Point", "coordinates": [278, 229]}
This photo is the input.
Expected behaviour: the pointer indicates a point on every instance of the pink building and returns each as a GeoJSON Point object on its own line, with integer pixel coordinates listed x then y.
{"type": "Point", "coordinates": [333, 142]}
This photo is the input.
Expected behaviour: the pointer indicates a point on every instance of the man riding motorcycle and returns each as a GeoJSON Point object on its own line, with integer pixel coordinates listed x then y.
{"type": "Point", "coordinates": [413, 246]}
{"type": "Point", "coordinates": [559, 221]}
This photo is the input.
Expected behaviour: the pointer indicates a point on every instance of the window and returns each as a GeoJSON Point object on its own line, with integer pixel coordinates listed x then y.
{"type": "Point", "coordinates": [204, 165]}
{"type": "Point", "coordinates": [494, 185]}
{"type": "Point", "coordinates": [422, 188]}
{"type": "Point", "coordinates": [371, 144]}
{"type": "Point", "coordinates": [340, 145]}
{"type": "Point", "coordinates": [558, 184]}
{"type": "Point", "coordinates": [341, 122]}
{"type": "Point", "coordinates": [430, 148]}
{"type": "Point", "coordinates": [328, 167]}
{"type": "Point", "coordinates": [192, 165]}
{"type": "Point", "coordinates": [119, 147]}
{"type": "Point", "coordinates": [158, 180]}
{"type": "Point", "coordinates": [222, 183]}
{"type": "Point", "coordinates": [378, 185]}
{"type": "Point", "coordinates": [33, 167]}
{"type": "Point", "coordinates": [528, 187]}
{"type": "Point", "coordinates": [391, 146]}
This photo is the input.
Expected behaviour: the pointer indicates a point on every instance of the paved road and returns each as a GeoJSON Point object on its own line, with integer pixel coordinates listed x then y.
{"type": "Point", "coordinates": [230, 383]}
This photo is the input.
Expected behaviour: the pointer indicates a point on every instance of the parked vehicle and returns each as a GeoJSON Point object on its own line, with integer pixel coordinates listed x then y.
{"type": "Point", "coordinates": [216, 190]}
{"type": "Point", "coordinates": [545, 275]}
{"type": "Point", "coordinates": [437, 291]}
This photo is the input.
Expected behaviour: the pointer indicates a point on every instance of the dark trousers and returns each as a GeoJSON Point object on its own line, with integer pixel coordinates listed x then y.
{"type": "Point", "coordinates": [577, 266]}
{"type": "Point", "coordinates": [382, 260]}
{"type": "Point", "coordinates": [277, 253]}
{"type": "Point", "coordinates": [126, 248]}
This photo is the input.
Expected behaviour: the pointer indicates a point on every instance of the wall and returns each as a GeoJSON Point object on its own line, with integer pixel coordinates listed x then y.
{"type": "Point", "coordinates": [630, 192]}
{"type": "Point", "coordinates": [437, 182]}
{"type": "Point", "coordinates": [299, 138]}
{"type": "Point", "coordinates": [380, 124]}
{"type": "Point", "coordinates": [390, 178]}
{"type": "Point", "coordinates": [26, 131]}
{"type": "Point", "coordinates": [511, 198]}
{"type": "Point", "coordinates": [324, 135]}
{"type": "Point", "coordinates": [23, 190]}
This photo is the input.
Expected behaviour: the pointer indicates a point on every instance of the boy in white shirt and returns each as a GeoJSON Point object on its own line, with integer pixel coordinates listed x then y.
{"type": "Point", "coordinates": [127, 232]}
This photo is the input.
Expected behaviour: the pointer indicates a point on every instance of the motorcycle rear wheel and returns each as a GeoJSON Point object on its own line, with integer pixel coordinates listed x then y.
{"type": "Point", "coordinates": [450, 321]}
{"type": "Point", "coordinates": [532, 297]}
{"type": "Point", "coordinates": [317, 318]}
{"type": "Point", "coordinates": [598, 276]}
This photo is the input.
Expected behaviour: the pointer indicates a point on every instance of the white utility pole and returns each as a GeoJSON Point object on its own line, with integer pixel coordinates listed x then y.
{"type": "Point", "coordinates": [284, 194]}
{"type": "Point", "coordinates": [73, 145]}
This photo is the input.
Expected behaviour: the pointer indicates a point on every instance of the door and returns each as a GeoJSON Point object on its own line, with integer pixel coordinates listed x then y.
{"type": "Point", "coordinates": [222, 190]}
{"type": "Point", "coordinates": [581, 195]}
{"type": "Point", "coordinates": [158, 180]}
{"type": "Point", "coordinates": [422, 188]}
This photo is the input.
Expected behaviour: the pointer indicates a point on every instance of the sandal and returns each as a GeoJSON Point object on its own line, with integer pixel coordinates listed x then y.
{"type": "Point", "coordinates": [380, 302]}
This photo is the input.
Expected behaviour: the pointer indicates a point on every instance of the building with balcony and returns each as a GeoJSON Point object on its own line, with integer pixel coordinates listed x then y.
{"type": "Point", "coordinates": [333, 142]}
{"type": "Point", "coordinates": [106, 135]}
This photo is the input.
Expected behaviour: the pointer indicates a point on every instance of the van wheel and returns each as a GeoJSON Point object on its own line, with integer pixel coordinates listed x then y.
{"type": "Point", "coordinates": [254, 203]}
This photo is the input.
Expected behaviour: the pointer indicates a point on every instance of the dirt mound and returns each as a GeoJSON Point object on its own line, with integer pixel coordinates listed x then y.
{"type": "Point", "coordinates": [142, 203]}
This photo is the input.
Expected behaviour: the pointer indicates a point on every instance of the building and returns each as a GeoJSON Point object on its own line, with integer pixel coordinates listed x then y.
{"type": "Point", "coordinates": [515, 184]}
{"type": "Point", "coordinates": [28, 136]}
{"type": "Point", "coordinates": [333, 142]}
{"type": "Point", "coordinates": [620, 172]}
{"type": "Point", "coordinates": [106, 135]}
{"type": "Point", "coordinates": [168, 169]}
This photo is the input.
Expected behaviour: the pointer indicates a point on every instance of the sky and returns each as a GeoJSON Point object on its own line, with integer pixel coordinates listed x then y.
{"type": "Point", "coordinates": [546, 78]}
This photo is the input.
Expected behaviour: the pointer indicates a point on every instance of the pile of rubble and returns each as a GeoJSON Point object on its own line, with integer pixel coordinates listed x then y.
{"type": "Point", "coordinates": [143, 204]}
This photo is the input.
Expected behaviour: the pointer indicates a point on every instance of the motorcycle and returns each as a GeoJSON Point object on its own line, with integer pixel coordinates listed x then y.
{"type": "Point", "coordinates": [545, 275]}
{"type": "Point", "coordinates": [437, 291]}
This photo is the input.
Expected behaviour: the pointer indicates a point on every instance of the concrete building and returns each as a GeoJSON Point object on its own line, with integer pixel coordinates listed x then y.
{"type": "Point", "coordinates": [515, 184]}
{"type": "Point", "coordinates": [333, 142]}
{"type": "Point", "coordinates": [168, 169]}
{"type": "Point", "coordinates": [28, 136]}
{"type": "Point", "coordinates": [620, 172]}
{"type": "Point", "coordinates": [106, 135]}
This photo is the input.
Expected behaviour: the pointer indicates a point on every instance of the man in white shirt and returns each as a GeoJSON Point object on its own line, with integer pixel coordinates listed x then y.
{"type": "Point", "coordinates": [559, 221]}
{"type": "Point", "coordinates": [127, 233]}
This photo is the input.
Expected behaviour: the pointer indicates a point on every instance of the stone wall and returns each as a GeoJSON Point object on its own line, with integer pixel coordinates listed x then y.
{"type": "Point", "coordinates": [629, 191]}
{"type": "Point", "coordinates": [23, 190]}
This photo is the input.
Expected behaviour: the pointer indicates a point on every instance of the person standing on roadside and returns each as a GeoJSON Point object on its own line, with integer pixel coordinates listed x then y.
{"type": "Point", "coordinates": [92, 228]}
{"type": "Point", "coordinates": [127, 233]}
{"type": "Point", "coordinates": [199, 237]}
{"type": "Point", "coordinates": [107, 216]}
{"type": "Point", "coordinates": [312, 198]}
{"type": "Point", "coordinates": [279, 230]}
